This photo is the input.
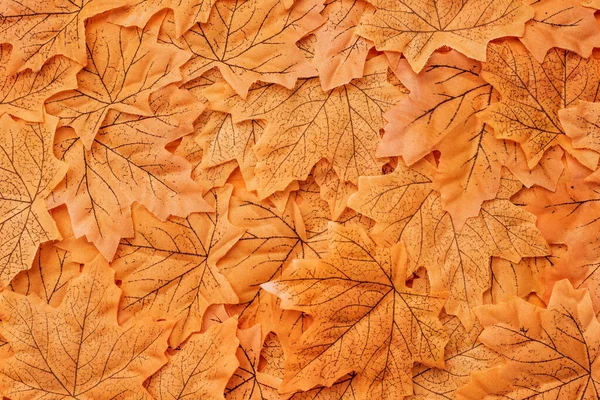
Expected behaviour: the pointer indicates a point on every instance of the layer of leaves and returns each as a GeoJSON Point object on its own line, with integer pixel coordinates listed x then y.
{"type": "Point", "coordinates": [363, 310]}
{"type": "Point", "coordinates": [417, 28]}
{"type": "Point", "coordinates": [28, 172]}
{"type": "Point", "coordinates": [78, 349]}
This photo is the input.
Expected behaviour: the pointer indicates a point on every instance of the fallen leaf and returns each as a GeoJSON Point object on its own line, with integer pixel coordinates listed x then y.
{"type": "Point", "coordinates": [340, 54]}
{"type": "Point", "coordinates": [23, 94]}
{"type": "Point", "coordinates": [50, 275]}
{"type": "Point", "coordinates": [464, 356]}
{"type": "Point", "coordinates": [560, 23]}
{"type": "Point", "coordinates": [127, 162]}
{"type": "Point", "coordinates": [362, 309]}
{"type": "Point", "coordinates": [78, 350]}
{"type": "Point", "coordinates": [39, 30]}
{"type": "Point", "coordinates": [124, 66]}
{"type": "Point", "coordinates": [417, 28]}
{"type": "Point", "coordinates": [169, 269]}
{"type": "Point", "coordinates": [549, 352]}
{"type": "Point", "coordinates": [307, 124]}
{"type": "Point", "coordinates": [187, 13]}
{"type": "Point", "coordinates": [248, 381]}
{"type": "Point", "coordinates": [249, 41]}
{"type": "Point", "coordinates": [533, 93]}
{"type": "Point", "coordinates": [343, 389]}
{"type": "Point", "coordinates": [28, 172]}
{"type": "Point", "coordinates": [407, 209]}
{"type": "Point", "coordinates": [201, 368]}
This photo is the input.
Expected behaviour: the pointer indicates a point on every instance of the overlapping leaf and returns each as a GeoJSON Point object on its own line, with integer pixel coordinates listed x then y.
{"type": "Point", "coordinates": [533, 93]}
{"type": "Point", "coordinates": [39, 30]}
{"type": "Point", "coordinates": [124, 66]}
{"type": "Point", "coordinates": [168, 269]}
{"type": "Point", "coordinates": [363, 311]}
{"type": "Point", "coordinates": [550, 353]}
{"type": "Point", "coordinates": [127, 162]}
{"type": "Point", "coordinates": [28, 172]}
{"type": "Point", "coordinates": [306, 124]}
{"type": "Point", "coordinates": [250, 41]}
{"type": "Point", "coordinates": [78, 349]}
{"type": "Point", "coordinates": [417, 28]}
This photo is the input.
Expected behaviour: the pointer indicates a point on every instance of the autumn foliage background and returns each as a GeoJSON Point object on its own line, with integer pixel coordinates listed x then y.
{"type": "Point", "coordinates": [299, 199]}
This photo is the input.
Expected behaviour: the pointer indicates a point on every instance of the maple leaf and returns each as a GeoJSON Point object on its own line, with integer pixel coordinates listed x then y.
{"type": "Point", "coordinates": [28, 172]}
{"type": "Point", "coordinates": [560, 23]}
{"type": "Point", "coordinates": [550, 353]}
{"type": "Point", "coordinates": [528, 111]}
{"type": "Point", "coordinates": [417, 28]}
{"type": "Point", "coordinates": [340, 54]}
{"type": "Point", "coordinates": [439, 114]}
{"type": "Point", "coordinates": [201, 368]}
{"type": "Point", "coordinates": [168, 269]}
{"type": "Point", "coordinates": [223, 140]}
{"type": "Point", "coordinates": [363, 311]}
{"type": "Point", "coordinates": [128, 162]}
{"type": "Point", "coordinates": [464, 355]}
{"type": "Point", "coordinates": [23, 94]}
{"type": "Point", "coordinates": [249, 382]}
{"type": "Point", "coordinates": [272, 239]}
{"type": "Point", "coordinates": [186, 13]}
{"type": "Point", "coordinates": [49, 277]}
{"type": "Point", "coordinates": [39, 30]}
{"type": "Point", "coordinates": [78, 349]}
{"type": "Point", "coordinates": [307, 124]}
{"type": "Point", "coordinates": [406, 208]}
{"type": "Point", "coordinates": [249, 41]}
{"type": "Point", "coordinates": [124, 66]}
{"type": "Point", "coordinates": [582, 124]}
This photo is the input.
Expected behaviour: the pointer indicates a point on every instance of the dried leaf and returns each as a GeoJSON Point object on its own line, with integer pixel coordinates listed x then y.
{"type": "Point", "coordinates": [28, 172]}
{"type": "Point", "coordinates": [78, 350]}
{"type": "Point", "coordinates": [128, 162]}
{"type": "Point", "coordinates": [534, 92]}
{"type": "Point", "coordinates": [417, 28]}
{"type": "Point", "coordinates": [249, 41]}
{"type": "Point", "coordinates": [363, 310]}
{"type": "Point", "coordinates": [39, 30]}
{"type": "Point", "coordinates": [168, 269]}
{"type": "Point", "coordinates": [124, 66]}
{"type": "Point", "coordinates": [550, 352]}
{"type": "Point", "coordinates": [201, 368]}
{"type": "Point", "coordinates": [560, 23]}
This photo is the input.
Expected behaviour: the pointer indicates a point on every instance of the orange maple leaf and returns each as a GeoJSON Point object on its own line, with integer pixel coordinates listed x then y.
{"type": "Point", "coordinates": [249, 41]}
{"type": "Point", "coordinates": [406, 208]}
{"type": "Point", "coordinates": [28, 172]}
{"type": "Point", "coordinates": [186, 12]}
{"type": "Point", "coordinates": [363, 310]}
{"type": "Point", "coordinates": [127, 162]}
{"type": "Point", "coordinates": [41, 29]}
{"type": "Point", "coordinates": [201, 369]}
{"type": "Point", "coordinates": [528, 112]}
{"type": "Point", "coordinates": [168, 269]}
{"type": "Point", "coordinates": [439, 114]}
{"type": "Point", "coordinates": [306, 124]}
{"type": "Point", "coordinates": [561, 23]}
{"type": "Point", "coordinates": [124, 66]}
{"type": "Point", "coordinates": [339, 53]}
{"type": "Point", "coordinates": [417, 28]}
{"type": "Point", "coordinates": [23, 94]}
{"type": "Point", "coordinates": [250, 382]}
{"type": "Point", "coordinates": [79, 350]}
{"type": "Point", "coordinates": [50, 275]}
{"type": "Point", "coordinates": [550, 353]}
